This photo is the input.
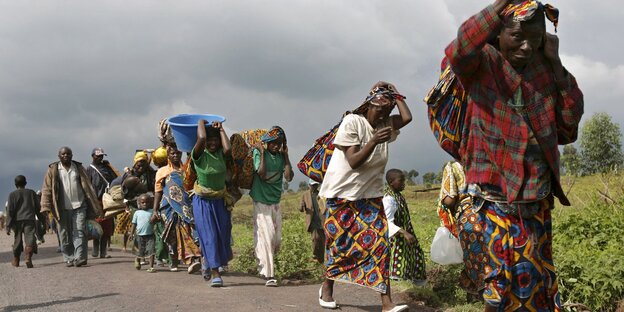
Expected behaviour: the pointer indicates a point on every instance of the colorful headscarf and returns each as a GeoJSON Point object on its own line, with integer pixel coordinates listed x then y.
{"type": "Point", "coordinates": [525, 11]}
{"type": "Point", "coordinates": [376, 92]}
{"type": "Point", "coordinates": [273, 134]}
{"type": "Point", "coordinates": [140, 155]}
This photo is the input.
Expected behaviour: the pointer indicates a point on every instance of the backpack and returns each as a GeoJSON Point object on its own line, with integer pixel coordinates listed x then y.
{"type": "Point", "coordinates": [447, 103]}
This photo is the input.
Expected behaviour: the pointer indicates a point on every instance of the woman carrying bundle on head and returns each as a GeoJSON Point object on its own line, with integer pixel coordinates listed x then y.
{"type": "Point", "coordinates": [356, 227]}
{"type": "Point", "coordinates": [134, 182]}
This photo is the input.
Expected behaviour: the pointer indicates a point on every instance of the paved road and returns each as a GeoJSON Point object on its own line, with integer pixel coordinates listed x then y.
{"type": "Point", "coordinates": [115, 285]}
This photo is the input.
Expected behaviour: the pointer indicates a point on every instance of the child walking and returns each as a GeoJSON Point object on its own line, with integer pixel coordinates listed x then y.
{"type": "Point", "coordinates": [142, 225]}
{"type": "Point", "coordinates": [271, 167]}
{"type": "Point", "coordinates": [407, 261]}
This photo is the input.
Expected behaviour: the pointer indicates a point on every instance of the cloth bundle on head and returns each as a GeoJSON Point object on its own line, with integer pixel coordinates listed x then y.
{"type": "Point", "coordinates": [164, 133]}
{"type": "Point", "coordinates": [273, 134]}
{"type": "Point", "coordinates": [140, 155]}
{"type": "Point", "coordinates": [375, 92]}
{"type": "Point", "coordinates": [159, 156]}
{"type": "Point", "coordinates": [525, 10]}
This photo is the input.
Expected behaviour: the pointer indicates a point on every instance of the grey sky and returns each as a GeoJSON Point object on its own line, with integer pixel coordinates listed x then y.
{"type": "Point", "coordinates": [102, 73]}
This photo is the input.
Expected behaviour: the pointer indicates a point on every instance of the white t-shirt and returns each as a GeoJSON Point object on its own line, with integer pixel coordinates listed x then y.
{"type": "Point", "coordinates": [341, 181]}
{"type": "Point", "coordinates": [390, 208]}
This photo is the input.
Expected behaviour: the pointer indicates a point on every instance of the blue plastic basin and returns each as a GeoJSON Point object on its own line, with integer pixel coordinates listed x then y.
{"type": "Point", "coordinates": [184, 128]}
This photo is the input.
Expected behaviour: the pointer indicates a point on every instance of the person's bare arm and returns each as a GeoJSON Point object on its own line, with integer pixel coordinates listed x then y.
{"type": "Point", "coordinates": [262, 167]}
{"type": "Point", "coordinates": [288, 171]}
{"type": "Point", "coordinates": [200, 144]}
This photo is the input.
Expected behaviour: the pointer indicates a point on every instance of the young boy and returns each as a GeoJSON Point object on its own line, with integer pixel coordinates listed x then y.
{"type": "Point", "coordinates": [142, 226]}
{"type": "Point", "coordinates": [22, 209]}
{"type": "Point", "coordinates": [271, 167]}
{"type": "Point", "coordinates": [407, 261]}
{"type": "Point", "coordinates": [315, 217]}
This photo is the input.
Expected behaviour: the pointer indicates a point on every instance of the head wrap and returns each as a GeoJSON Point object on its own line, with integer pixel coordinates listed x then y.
{"type": "Point", "coordinates": [159, 156]}
{"type": "Point", "coordinates": [375, 92]}
{"type": "Point", "coordinates": [140, 155]}
{"type": "Point", "coordinates": [273, 134]}
{"type": "Point", "coordinates": [525, 10]}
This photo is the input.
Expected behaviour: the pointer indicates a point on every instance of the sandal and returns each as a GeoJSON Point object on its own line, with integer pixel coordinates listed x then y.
{"type": "Point", "coordinates": [216, 282]}
{"type": "Point", "coordinates": [151, 270]}
{"type": "Point", "coordinates": [271, 283]}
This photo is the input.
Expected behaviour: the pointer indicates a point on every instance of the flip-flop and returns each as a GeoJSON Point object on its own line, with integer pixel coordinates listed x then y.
{"type": "Point", "coordinates": [216, 282]}
{"type": "Point", "coordinates": [399, 308]}
{"type": "Point", "coordinates": [271, 283]}
{"type": "Point", "coordinates": [151, 270]}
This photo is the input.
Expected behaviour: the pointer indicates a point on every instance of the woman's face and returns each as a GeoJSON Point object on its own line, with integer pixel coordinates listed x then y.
{"type": "Point", "coordinates": [140, 167]}
{"type": "Point", "coordinates": [213, 144]}
{"type": "Point", "coordinates": [274, 146]}
{"type": "Point", "coordinates": [379, 109]}
{"type": "Point", "coordinates": [174, 155]}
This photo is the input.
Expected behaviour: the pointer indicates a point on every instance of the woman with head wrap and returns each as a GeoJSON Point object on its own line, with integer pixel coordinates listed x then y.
{"type": "Point", "coordinates": [136, 181]}
{"type": "Point", "coordinates": [356, 227]}
{"type": "Point", "coordinates": [271, 165]}
{"type": "Point", "coordinates": [521, 103]}
{"type": "Point", "coordinates": [211, 203]}
{"type": "Point", "coordinates": [172, 206]}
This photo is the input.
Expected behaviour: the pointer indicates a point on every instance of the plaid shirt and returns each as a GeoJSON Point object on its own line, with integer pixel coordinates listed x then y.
{"type": "Point", "coordinates": [497, 130]}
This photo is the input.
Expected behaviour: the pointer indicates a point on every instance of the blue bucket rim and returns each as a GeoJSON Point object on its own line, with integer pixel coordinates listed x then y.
{"type": "Point", "coordinates": [193, 125]}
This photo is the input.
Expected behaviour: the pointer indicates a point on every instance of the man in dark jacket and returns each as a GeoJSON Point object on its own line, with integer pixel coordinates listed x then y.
{"type": "Point", "coordinates": [22, 207]}
{"type": "Point", "coordinates": [68, 196]}
{"type": "Point", "coordinates": [101, 174]}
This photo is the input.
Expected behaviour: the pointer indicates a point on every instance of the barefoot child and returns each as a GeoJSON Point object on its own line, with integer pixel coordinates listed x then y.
{"type": "Point", "coordinates": [407, 261]}
{"type": "Point", "coordinates": [142, 226]}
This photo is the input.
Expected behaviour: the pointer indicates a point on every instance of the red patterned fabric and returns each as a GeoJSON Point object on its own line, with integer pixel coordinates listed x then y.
{"type": "Point", "coordinates": [495, 135]}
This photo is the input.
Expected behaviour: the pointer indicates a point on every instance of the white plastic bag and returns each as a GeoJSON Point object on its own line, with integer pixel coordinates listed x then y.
{"type": "Point", "coordinates": [445, 248]}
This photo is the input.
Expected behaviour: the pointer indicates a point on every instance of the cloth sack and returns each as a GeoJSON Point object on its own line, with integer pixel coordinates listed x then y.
{"type": "Point", "coordinates": [242, 156]}
{"type": "Point", "coordinates": [315, 162]}
{"type": "Point", "coordinates": [94, 230]}
{"type": "Point", "coordinates": [447, 103]}
{"type": "Point", "coordinates": [445, 248]}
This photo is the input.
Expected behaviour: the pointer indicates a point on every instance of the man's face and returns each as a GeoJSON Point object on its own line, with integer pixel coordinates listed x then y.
{"type": "Point", "coordinates": [97, 159]}
{"type": "Point", "coordinates": [65, 155]}
{"type": "Point", "coordinates": [519, 42]}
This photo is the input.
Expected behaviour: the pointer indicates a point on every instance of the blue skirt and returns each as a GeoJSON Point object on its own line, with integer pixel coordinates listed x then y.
{"type": "Point", "coordinates": [214, 228]}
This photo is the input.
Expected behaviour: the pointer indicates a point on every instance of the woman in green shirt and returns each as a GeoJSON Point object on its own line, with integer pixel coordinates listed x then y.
{"type": "Point", "coordinates": [211, 203]}
{"type": "Point", "coordinates": [271, 166]}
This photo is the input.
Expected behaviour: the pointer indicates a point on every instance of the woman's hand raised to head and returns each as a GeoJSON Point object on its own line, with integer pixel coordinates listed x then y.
{"type": "Point", "coordinates": [217, 125]}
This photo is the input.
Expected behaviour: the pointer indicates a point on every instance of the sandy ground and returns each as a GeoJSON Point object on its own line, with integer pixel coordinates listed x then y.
{"type": "Point", "coordinates": [115, 285]}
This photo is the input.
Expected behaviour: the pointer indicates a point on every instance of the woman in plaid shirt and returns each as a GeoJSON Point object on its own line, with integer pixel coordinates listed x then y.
{"type": "Point", "coordinates": [522, 103]}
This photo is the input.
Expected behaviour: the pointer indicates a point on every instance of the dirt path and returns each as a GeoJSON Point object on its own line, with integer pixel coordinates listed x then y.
{"type": "Point", "coordinates": [115, 285]}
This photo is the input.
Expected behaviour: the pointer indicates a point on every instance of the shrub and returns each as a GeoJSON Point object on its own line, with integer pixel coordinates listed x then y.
{"type": "Point", "coordinates": [589, 256]}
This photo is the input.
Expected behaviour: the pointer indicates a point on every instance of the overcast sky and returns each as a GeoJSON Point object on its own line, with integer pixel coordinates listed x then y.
{"type": "Point", "coordinates": [103, 73]}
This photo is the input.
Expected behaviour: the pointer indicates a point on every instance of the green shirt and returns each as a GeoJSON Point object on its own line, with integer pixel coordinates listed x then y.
{"type": "Point", "coordinates": [211, 170]}
{"type": "Point", "coordinates": [268, 191]}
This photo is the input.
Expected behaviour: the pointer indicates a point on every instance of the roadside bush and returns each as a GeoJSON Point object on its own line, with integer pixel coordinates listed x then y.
{"type": "Point", "coordinates": [589, 256]}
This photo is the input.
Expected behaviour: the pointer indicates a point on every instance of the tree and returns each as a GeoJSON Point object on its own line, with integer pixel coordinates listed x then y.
{"type": "Point", "coordinates": [412, 175]}
{"type": "Point", "coordinates": [303, 186]}
{"type": "Point", "coordinates": [429, 178]}
{"type": "Point", "coordinates": [601, 145]}
{"type": "Point", "coordinates": [570, 160]}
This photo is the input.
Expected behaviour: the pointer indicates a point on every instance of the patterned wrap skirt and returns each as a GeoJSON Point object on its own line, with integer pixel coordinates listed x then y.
{"type": "Point", "coordinates": [356, 246]}
{"type": "Point", "coordinates": [508, 258]}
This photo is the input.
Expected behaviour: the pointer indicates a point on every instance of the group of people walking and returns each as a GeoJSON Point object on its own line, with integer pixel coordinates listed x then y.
{"type": "Point", "coordinates": [496, 198]}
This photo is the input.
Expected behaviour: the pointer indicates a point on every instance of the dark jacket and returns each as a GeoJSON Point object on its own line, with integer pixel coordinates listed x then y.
{"type": "Point", "coordinates": [50, 192]}
{"type": "Point", "coordinates": [23, 205]}
{"type": "Point", "coordinates": [101, 177]}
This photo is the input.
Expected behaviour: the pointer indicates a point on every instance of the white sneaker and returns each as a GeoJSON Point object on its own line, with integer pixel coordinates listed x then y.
{"type": "Point", "coordinates": [194, 267]}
